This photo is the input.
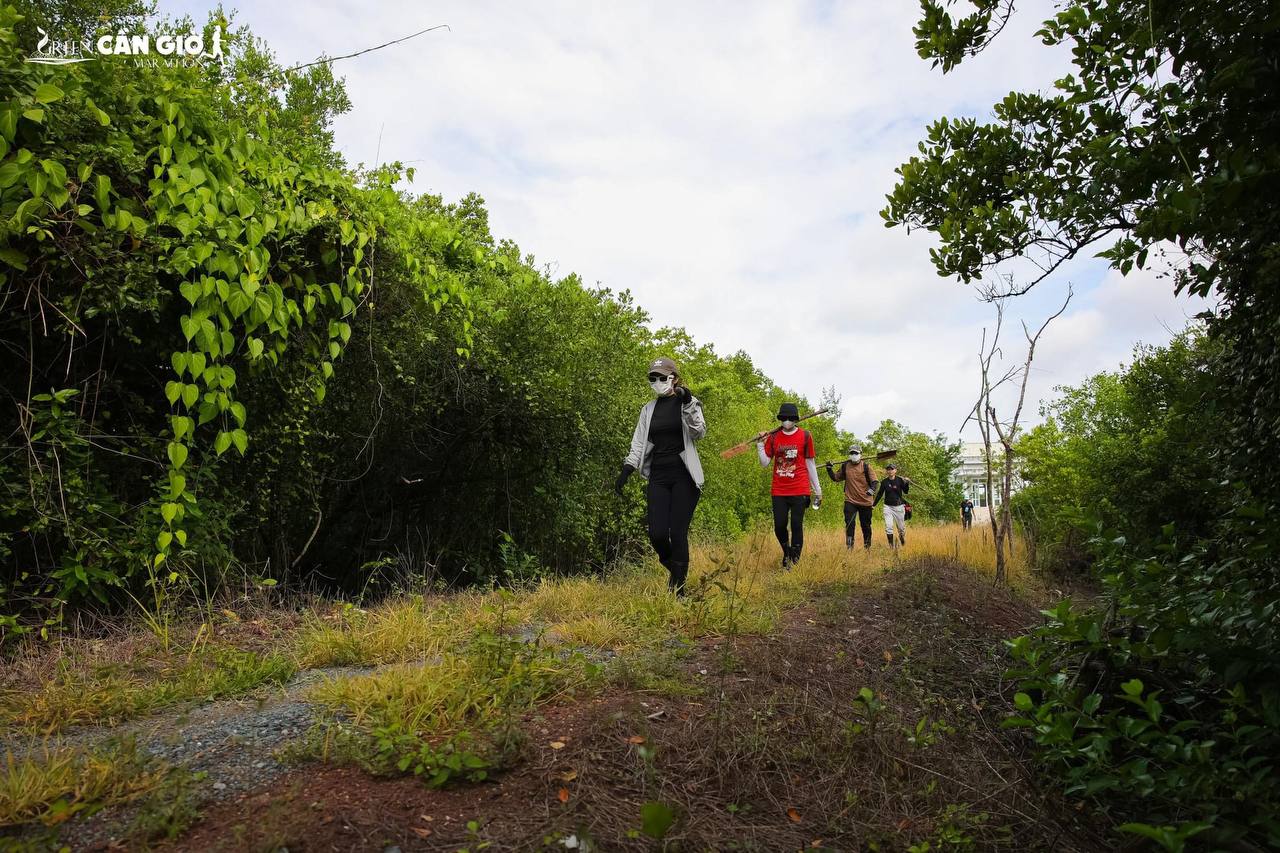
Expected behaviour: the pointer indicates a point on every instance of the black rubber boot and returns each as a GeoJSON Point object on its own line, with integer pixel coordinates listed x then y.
{"type": "Point", "coordinates": [679, 573]}
{"type": "Point", "coordinates": [890, 540]}
{"type": "Point", "coordinates": [795, 554]}
{"type": "Point", "coordinates": [786, 559]}
{"type": "Point", "coordinates": [902, 539]}
{"type": "Point", "coordinates": [848, 542]}
{"type": "Point", "coordinates": [866, 542]}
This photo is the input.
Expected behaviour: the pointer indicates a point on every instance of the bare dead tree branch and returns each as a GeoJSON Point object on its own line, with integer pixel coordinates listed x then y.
{"type": "Point", "coordinates": [987, 418]}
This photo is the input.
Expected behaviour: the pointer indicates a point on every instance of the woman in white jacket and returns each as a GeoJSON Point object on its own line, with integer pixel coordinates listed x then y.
{"type": "Point", "coordinates": [662, 450]}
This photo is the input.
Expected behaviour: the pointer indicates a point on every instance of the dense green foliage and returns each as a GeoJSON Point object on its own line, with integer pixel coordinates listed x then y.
{"type": "Point", "coordinates": [1162, 704]}
{"type": "Point", "coordinates": [1169, 693]}
{"type": "Point", "coordinates": [1136, 448]}
{"type": "Point", "coordinates": [146, 226]}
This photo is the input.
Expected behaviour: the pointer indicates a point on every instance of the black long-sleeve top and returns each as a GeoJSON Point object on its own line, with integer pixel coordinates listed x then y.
{"type": "Point", "coordinates": [892, 489]}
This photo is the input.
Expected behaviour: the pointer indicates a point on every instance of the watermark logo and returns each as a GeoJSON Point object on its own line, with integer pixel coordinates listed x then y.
{"type": "Point", "coordinates": [64, 52]}
{"type": "Point", "coordinates": [144, 49]}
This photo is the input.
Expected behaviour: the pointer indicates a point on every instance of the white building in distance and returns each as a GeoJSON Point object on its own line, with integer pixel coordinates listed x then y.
{"type": "Point", "coordinates": [972, 476]}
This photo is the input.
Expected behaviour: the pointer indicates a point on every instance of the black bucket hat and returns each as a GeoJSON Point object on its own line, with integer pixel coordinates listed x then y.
{"type": "Point", "coordinates": [788, 412]}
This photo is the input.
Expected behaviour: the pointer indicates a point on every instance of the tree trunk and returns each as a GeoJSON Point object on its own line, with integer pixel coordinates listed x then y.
{"type": "Point", "coordinates": [1006, 495]}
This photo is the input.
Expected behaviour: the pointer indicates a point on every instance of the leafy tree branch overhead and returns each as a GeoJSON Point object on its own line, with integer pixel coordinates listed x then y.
{"type": "Point", "coordinates": [1139, 144]}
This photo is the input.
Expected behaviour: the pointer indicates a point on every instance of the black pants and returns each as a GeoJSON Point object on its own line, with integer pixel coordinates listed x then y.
{"type": "Point", "coordinates": [792, 506]}
{"type": "Point", "coordinates": [968, 521]}
{"type": "Point", "coordinates": [862, 514]}
{"type": "Point", "coordinates": [671, 501]}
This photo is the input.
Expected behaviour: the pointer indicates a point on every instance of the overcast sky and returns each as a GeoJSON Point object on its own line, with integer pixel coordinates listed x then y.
{"type": "Point", "coordinates": [725, 162]}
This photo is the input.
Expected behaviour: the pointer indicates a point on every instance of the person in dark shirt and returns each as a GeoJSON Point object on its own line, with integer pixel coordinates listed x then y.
{"type": "Point", "coordinates": [662, 450]}
{"type": "Point", "coordinates": [893, 489]}
{"type": "Point", "coordinates": [966, 513]}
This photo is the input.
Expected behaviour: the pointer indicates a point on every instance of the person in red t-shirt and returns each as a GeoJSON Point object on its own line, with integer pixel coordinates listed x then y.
{"type": "Point", "coordinates": [795, 477]}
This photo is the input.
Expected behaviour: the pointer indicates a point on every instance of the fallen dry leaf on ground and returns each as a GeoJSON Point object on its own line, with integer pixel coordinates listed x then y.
{"type": "Point", "coordinates": [794, 815]}
{"type": "Point", "coordinates": [563, 795]}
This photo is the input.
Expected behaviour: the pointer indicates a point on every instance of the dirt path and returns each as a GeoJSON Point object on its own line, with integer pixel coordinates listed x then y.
{"type": "Point", "coordinates": [772, 751]}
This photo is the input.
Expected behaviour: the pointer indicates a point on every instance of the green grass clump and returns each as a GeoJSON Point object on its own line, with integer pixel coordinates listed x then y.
{"type": "Point", "coordinates": [115, 692]}
{"type": "Point", "coordinates": [406, 629]}
{"type": "Point", "coordinates": [51, 785]}
{"type": "Point", "coordinates": [455, 716]}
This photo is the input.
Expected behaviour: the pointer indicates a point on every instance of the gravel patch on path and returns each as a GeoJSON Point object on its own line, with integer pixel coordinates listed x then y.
{"type": "Point", "coordinates": [233, 742]}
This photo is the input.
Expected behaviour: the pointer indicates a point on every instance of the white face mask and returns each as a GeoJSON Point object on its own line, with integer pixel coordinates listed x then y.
{"type": "Point", "coordinates": [662, 387]}
{"type": "Point", "coordinates": [788, 425]}
{"type": "Point", "coordinates": [854, 457]}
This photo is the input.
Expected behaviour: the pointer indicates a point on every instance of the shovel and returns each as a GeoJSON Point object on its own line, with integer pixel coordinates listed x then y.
{"type": "Point", "coordinates": [879, 457]}
{"type": "Point", "coordinates": [744, 446]}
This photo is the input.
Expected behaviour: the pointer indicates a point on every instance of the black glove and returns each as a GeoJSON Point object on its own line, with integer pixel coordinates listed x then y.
{"type": "Point", "coordinates": [683, 395]}
{"type": "Point", "coordinates": [627, 471]}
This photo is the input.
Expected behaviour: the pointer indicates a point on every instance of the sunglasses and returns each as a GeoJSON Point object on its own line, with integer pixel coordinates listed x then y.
{"type": "Point", "coordinates": [657, 377]}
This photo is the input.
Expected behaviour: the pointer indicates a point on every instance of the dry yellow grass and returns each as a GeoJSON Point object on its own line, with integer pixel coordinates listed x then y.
{"type": "Point", "coordinates": [443, 679]}
{"type": "Point", "coordinates": [602, 631]}
{"type": "Point", "coordinates": [397, 631]}
{"type": "Point", "coordinates": [974, 548]}
{"type": "Point", "coordinates": [736, 588]}
{"type": "Point", "coordinates": [111, 695]}
{"type": "Point", "coordinates": [51, 784]}
{"type": "Point", "coordinates": [435, 695]}
{"type": "Point", "coordinates": [739, 584]}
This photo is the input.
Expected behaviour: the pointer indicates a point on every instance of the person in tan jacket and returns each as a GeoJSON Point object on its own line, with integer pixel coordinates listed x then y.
{"type": "Point", "coordinates": [859, 494]}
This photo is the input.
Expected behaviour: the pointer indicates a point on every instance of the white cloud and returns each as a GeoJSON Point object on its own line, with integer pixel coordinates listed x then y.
{"type": "Point", "coordinates": [726, 162]}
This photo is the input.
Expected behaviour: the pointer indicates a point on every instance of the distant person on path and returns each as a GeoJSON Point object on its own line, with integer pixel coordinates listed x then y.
{"type": "Point", "coordinates": [795, 479]}
{"type": "Point", "coordinates": [966, 513]}
{"type": "Point", "coordinates": [894, 490]}
{"type": "Point", "coordinates": [859, 493]}
{"type": "Point", "coordinates": [662, 450]}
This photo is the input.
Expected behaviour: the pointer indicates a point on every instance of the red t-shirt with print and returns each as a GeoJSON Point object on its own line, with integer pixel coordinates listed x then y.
{"type": "Point", "coordinates": [790, 473]}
